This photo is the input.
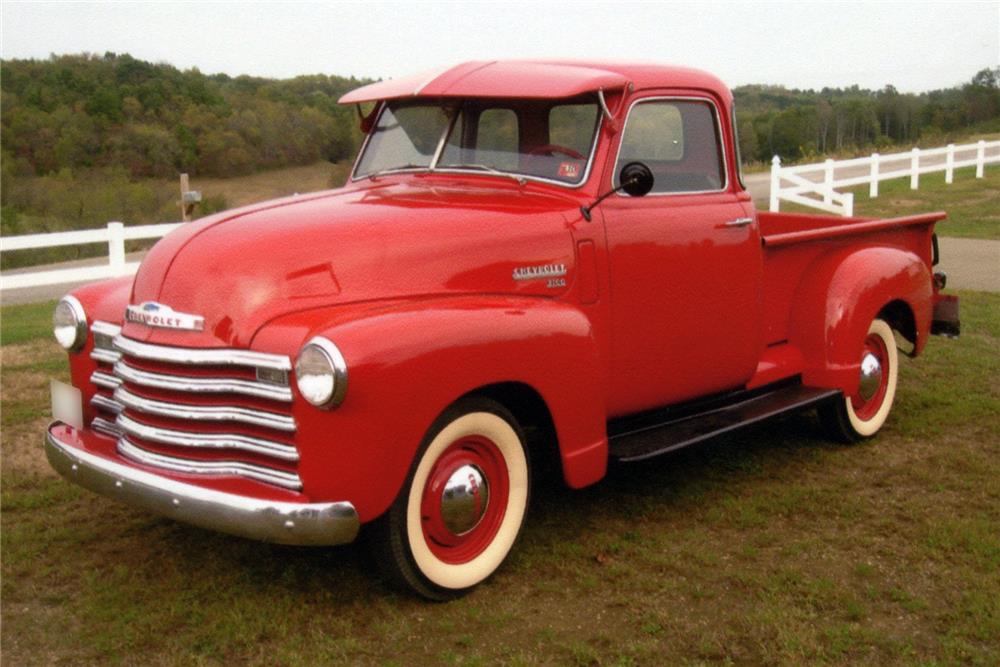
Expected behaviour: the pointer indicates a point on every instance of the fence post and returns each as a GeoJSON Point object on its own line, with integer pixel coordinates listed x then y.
{"type": "Point", "coordinates": [775, 182]}
{"type": "Point", "coordinates": [914, 169]}
{"type": "Point", "coordinates": [848, 204]}
{"type": "Point", "coordinates": [873, 186]}
{"type": "Point", "coordinates": [949, 165]}
{"type": "Point", "coordinates": [116, 248]}
{"type": "Point", "coordinates": [828, 182]}
{"type": "Point", "coordinates": [980, 158]}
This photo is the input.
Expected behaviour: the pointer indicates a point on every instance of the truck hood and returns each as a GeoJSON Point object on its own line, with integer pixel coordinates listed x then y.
{"type": "Point", "coordinates": [243, 268]}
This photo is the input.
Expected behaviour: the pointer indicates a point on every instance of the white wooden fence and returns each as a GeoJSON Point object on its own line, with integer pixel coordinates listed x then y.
{"type": "Point", "coordinates": [115, 235]}
{"type": "Point", "coordinates": [815, 185]}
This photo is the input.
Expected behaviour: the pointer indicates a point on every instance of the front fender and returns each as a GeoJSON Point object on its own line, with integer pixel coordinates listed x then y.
{"type": "Point", "coordinates": [839, 297]}
{"type": "Point", "coordinates": [408, 361]}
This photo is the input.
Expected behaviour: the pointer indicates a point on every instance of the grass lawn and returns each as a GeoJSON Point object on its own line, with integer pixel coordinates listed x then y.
{"type": "Point", "coordinates": [769, 546]}
{"type": "Point", "coordinates": [243, 190]}
{"type": "Point", "coordinates": [972, 204]}
{"type": "Point", "coordinates": [230, 192]}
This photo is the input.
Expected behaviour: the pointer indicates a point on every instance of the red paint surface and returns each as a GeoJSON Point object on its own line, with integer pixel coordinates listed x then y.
{"type": "Point", "coordinates": [411, 276]}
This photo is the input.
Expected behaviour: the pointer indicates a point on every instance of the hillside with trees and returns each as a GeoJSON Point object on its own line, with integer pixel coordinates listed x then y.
{"type": "Point", "coordinates": [81, 112]}
{"type": "Point", "coordinates": [90, 138]}
{"type": "Point", "coordinates": [153, 120]}
{"type": "Point", "coordinates": [798, 124]}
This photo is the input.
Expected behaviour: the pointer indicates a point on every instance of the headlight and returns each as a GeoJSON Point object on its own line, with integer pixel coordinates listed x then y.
{"type": "Point", "coordinates": [321, 373]}
{"type": "Point", "coordinates": [69, 324]}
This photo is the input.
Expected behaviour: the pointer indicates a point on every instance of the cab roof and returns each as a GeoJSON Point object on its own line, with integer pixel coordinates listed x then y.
{"type": "Point", "coordinates": [533, 79]}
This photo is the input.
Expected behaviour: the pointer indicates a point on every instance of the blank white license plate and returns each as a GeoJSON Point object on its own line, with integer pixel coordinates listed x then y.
{"type": "Point", "coordinates": [67, 404]}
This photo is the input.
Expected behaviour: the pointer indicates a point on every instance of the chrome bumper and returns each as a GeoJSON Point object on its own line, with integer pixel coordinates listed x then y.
{"type": "Point", "coordinates": [270, 521]}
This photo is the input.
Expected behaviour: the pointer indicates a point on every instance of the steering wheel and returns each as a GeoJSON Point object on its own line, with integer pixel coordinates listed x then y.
{"type": "Point", "coordinates": [551, 149]}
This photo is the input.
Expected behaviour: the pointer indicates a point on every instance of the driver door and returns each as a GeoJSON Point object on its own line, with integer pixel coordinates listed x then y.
{"type": "Point", "coordinates": [685, 262]}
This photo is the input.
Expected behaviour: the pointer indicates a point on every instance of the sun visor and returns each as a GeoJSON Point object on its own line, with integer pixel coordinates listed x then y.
{"type": "Point", "coordinates": [493, 79]}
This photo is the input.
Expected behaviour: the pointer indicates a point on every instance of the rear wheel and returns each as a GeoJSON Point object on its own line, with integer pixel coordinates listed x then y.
{"type": "Point", "coordinates": [463, 504]}
{"type": "Point", "coordinates": [861, 415]}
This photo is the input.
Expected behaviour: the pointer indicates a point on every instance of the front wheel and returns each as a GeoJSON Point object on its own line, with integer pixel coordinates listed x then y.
{"type": "Point", "coordinates": [860, 416]}
{"type": "Point", "coordinates": [463, 504]}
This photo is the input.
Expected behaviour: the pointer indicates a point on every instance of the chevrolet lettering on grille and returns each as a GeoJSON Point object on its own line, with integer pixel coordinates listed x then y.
{"type": "Point", "coordinates": [154, 314]}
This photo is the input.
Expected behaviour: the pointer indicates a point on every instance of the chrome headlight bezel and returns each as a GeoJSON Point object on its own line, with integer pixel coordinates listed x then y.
{"type": "Point", "coordinates": [321, 373]}
{"type": "Point", "coordinates": [69, 324]}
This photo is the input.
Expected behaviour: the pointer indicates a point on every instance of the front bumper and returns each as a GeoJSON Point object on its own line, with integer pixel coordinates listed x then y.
{"type": "Point", "coordinates": [259, 519]}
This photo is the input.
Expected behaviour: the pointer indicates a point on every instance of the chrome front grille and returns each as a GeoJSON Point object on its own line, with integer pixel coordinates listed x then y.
{"type": "Point", "coordinates": [211, 413]}
{"type": "Point", "coordinates": [196, 411]}
{"type": "Point", "coordinates": [198, 385]}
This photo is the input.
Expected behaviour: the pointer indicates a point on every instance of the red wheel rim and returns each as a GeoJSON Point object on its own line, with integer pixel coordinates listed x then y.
{"type": "Point", "coordinates": [486, 457]}
{"type": "Point", "coordinates": [866, 409]}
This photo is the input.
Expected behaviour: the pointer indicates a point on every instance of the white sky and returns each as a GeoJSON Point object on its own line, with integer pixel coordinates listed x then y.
{"type": "Point", "coordinates": [913, 45]}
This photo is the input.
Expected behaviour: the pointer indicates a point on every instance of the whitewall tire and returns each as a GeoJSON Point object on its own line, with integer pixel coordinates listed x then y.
{"type": "Point", "coordinates": [463, 504]}
{"type": "Point", "coordinates": [862, 415]}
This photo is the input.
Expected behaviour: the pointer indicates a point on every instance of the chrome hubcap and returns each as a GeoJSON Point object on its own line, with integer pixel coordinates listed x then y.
{"type": "Point", "coordinates": [871, 376]}
{"type": "Point", "coordinates": [464, 499]}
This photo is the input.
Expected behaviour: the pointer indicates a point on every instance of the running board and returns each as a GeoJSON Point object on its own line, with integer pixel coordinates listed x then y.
{"type": "Point", "coordinates": [650, 440]}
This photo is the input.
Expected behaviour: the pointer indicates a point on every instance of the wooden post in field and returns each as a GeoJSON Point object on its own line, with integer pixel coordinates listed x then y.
{"type": "Point", "coordinates": [873, 186]}
{"type": "Point", "coordinates": [775, 182]}
{"type": "Point", "coordinates": [915, 169]}
{"type": "Point", "coordinates": [185, 212]}
{"type": "Point", "coordinates": [949, 165]}
{"type": "Point", "coordinates": [980, 158]}
{"type": "Point", "coordinates": [188, 199]}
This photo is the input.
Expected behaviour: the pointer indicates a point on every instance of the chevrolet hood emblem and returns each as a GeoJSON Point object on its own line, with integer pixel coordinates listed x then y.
{"type": "Point", "coordinates": [154, 314]}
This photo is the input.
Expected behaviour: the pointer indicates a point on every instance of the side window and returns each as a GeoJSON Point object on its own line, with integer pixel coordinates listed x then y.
{"type": "Point", "coordinates": [679, 141]}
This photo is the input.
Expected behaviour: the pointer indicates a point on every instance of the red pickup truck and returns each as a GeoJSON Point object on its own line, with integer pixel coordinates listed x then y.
{"type": "Point", "coordinates": [529, 260]}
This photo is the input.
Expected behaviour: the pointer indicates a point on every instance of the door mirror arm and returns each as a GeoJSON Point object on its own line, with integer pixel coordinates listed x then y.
{"type": "Point", "coordinates": [636, 180]}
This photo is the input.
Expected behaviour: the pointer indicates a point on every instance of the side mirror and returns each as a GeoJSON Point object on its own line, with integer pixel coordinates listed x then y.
{"type": "Point", "coordinates": [636, 179]}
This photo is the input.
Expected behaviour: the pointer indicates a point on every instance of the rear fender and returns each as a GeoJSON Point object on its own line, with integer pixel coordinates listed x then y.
{"type": "Point", "coordinates": [408, 362]}
{"type": "Point", "coordinates": [839, 297]}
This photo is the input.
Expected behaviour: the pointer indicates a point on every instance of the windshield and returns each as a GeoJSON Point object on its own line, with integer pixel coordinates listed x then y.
{"type": "Point", "coordinates": [543, 139]}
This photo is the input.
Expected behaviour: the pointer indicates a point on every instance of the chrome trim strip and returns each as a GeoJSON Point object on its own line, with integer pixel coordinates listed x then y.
{"type": "Point", "coordinates": [316, 524]}
{"type": "Point", "coordinates": [102, 402]}
{"type": "Point", "coordinates": [214, 356]}
{"type": "Point", "coordinates": [718, 129]}
{"type": "Point", "coordinates": [604, 104]}
{"type": "Point", "coordinates": [105, 380]}
{"type": "Point", "coordinates": [102, 425]}
{"type": "Point", "coordinates": [129, 426]}
{"type": "Point", "coordinates": [105, 356]}
{"type": "Point", "coordinates": [205, 413]}
{"type": "Point", "coordinates": [287, 480]}
{"type": "Point", "coordinates": [197, 385]}
{"type": "Point", "coordinates": [456, 111]}
{"type": "Point", "coordinates": [105, 328]}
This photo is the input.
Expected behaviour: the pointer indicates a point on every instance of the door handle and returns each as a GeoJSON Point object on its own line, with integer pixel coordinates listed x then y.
{"type": "Point", "coordinates": [738, 222]}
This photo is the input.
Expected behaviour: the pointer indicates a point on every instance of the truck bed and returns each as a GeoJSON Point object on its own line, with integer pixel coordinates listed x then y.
{"type": "Point", "coordinates": [795, 242]}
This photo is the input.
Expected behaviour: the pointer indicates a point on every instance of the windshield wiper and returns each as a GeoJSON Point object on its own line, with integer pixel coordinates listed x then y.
{"type": "Point", "coordinates": [388, 170]}
{"type": "Point", "coordinates": [496, 172]}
